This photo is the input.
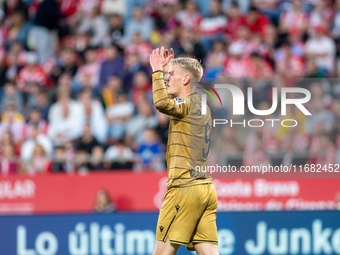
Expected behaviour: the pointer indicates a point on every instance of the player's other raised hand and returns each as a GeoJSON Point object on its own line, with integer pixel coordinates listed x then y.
{"type": "Point", "coordinates": [168, 54]}
{"type": "Point", "coordinates": [158, 59]}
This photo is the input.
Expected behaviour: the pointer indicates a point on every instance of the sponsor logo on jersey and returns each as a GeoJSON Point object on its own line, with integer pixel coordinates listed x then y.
{"type": "Point", "coordinates": [179, 100]}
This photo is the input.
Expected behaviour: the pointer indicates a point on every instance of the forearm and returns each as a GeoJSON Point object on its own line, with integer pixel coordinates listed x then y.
{"type": "Point", "coordinates": [160, 95]}
{"type": "Point", "coordinates": [164, 103]}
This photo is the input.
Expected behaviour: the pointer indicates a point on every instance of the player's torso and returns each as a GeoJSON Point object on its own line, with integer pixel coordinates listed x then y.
{"type": "Point", "coordinates": [189, 145]}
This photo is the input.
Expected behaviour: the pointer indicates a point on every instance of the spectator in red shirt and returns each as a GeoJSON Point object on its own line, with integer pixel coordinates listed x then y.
{"type": "Point", "coordinates": [257, 67]}
{"type": "Point", "coordinates": [38, 164]}
{"type": "Point", "coordinates": [321, 15]}
{"type": "Point", "coordinates": [256, 21]}
{"type": "Point", "coordinates": [35, 120]}
{"type": "Point", "coordinates": [234, 20]}
{"type": "Point", "coordinates": [8, 162]}
{"type": "Point", "coordinates": [212, 27]}
{"type": "Point", "coordinates": [242, 37]}
{"type": "Point", "coordinates": [32, 74]}
{"type": "Point", "coordinates": [235, 64]}
{"type": "Point", "coordinates": [296, 17]}
{"type": "Point", "coordinates": [7, 138]}
{"type": "Point", "coordinates": [68, 8]}
{"type": "Point", "coordinates": [91, 67]}
{"type": "Point", "coordinates": [288, 64]}
{"type": "Point", "coordinates": [270, 8]}
{"type": "Point", "coordinates": [189, 18]}
{"type": "Point", "coordinates": [139, 46]}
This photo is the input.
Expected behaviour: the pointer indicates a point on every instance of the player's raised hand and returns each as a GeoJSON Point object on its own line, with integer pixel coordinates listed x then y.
{"type": "Point", "coordinates": [157, 60]}
{"type": "Point", "coordinates": [168, 56]}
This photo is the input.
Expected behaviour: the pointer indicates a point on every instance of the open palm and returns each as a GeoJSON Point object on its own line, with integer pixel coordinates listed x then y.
{"type": "Point", "coordinates": [157, 59]}
{"type": "Point", "coordinates": [168, 56]}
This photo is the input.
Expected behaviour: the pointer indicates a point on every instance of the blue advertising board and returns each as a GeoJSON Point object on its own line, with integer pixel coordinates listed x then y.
{"type": "Point", "coordinates": [313, 232]}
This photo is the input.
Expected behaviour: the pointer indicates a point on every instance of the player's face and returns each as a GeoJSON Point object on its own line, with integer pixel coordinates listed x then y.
{"type": "Point", "coordinates": [174, 80]}
{"type": "Point", "coordinates": [166, 73]}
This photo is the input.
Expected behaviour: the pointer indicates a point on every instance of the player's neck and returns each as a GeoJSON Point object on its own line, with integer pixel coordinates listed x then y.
{"type": "Point", "coordinates": [185, 92]}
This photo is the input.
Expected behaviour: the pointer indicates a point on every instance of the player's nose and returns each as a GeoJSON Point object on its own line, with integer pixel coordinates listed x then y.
{"type": "Point", "coordinates": [166, 77]}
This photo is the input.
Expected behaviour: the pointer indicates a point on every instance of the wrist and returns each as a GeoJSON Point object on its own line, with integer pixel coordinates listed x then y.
{"type": "Point", "coordinates": [157, 68]}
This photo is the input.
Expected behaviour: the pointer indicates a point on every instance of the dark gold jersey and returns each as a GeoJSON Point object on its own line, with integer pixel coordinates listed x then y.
{"type": "Point", "coordinates": [188, 148]}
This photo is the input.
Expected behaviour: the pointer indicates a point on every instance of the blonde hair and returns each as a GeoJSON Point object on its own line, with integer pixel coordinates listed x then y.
{"type": "Point", "coordinates": [190, 64]}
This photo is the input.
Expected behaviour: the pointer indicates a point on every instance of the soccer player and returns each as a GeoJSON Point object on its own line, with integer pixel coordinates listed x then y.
{"type": "Point", "coordinates": [188, 213]}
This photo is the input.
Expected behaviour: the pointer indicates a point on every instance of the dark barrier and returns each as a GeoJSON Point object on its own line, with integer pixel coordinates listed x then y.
{"type": "Point", "coordinates": [313, 232]}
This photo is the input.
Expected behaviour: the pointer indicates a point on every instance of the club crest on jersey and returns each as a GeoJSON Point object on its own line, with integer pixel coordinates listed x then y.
{"type": "Point", "coordinates": [179, 100]}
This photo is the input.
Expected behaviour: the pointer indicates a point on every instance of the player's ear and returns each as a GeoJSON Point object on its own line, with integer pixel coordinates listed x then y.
{"type": "Point", "coordinates": [186, 79]}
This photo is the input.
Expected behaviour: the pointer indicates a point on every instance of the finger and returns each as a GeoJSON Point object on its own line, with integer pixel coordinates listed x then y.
{"type": "Point", "coordinates": [157, 51]}
{"type": "Point", "coordinates": [172, 52]}
{"type": "Point", "coordinates": [167, 60]}
{"type": "Point", "coordinates": [162, 51]}
{"type": "Point", "coordinates": [153, 53]}
{"type": "Point", "coordinates": [166, 53]}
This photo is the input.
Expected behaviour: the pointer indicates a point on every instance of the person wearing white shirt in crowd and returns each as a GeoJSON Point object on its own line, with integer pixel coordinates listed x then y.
{"type": "Point", "coordinates": [66, 118]}
{"type": "Point", "coordinates": [96, 25]}
{"type": "Point", "coordinates": [137, 124]}
{"type": "Point", "coordinates": [92, 112]}
{"type": "Point", "coordinates": [28, 146]}
{"type": "Point", "coordinates": [321, 48]}
{"type": "Point", "coordinates": [119, 156]}
{"type": "Point", "coordinates": [118, 115]}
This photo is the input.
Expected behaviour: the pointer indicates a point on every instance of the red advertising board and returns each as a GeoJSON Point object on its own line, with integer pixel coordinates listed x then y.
{"type": "Point", "coordinates": [61, 193]}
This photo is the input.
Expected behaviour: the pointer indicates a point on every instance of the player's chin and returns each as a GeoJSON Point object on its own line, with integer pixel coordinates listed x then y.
{"type": "Point", "coordinates": [171, 94]}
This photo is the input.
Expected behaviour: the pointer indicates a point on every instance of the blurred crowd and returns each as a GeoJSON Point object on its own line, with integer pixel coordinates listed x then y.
{"type": "Point", "coordinates": [76, 89]}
